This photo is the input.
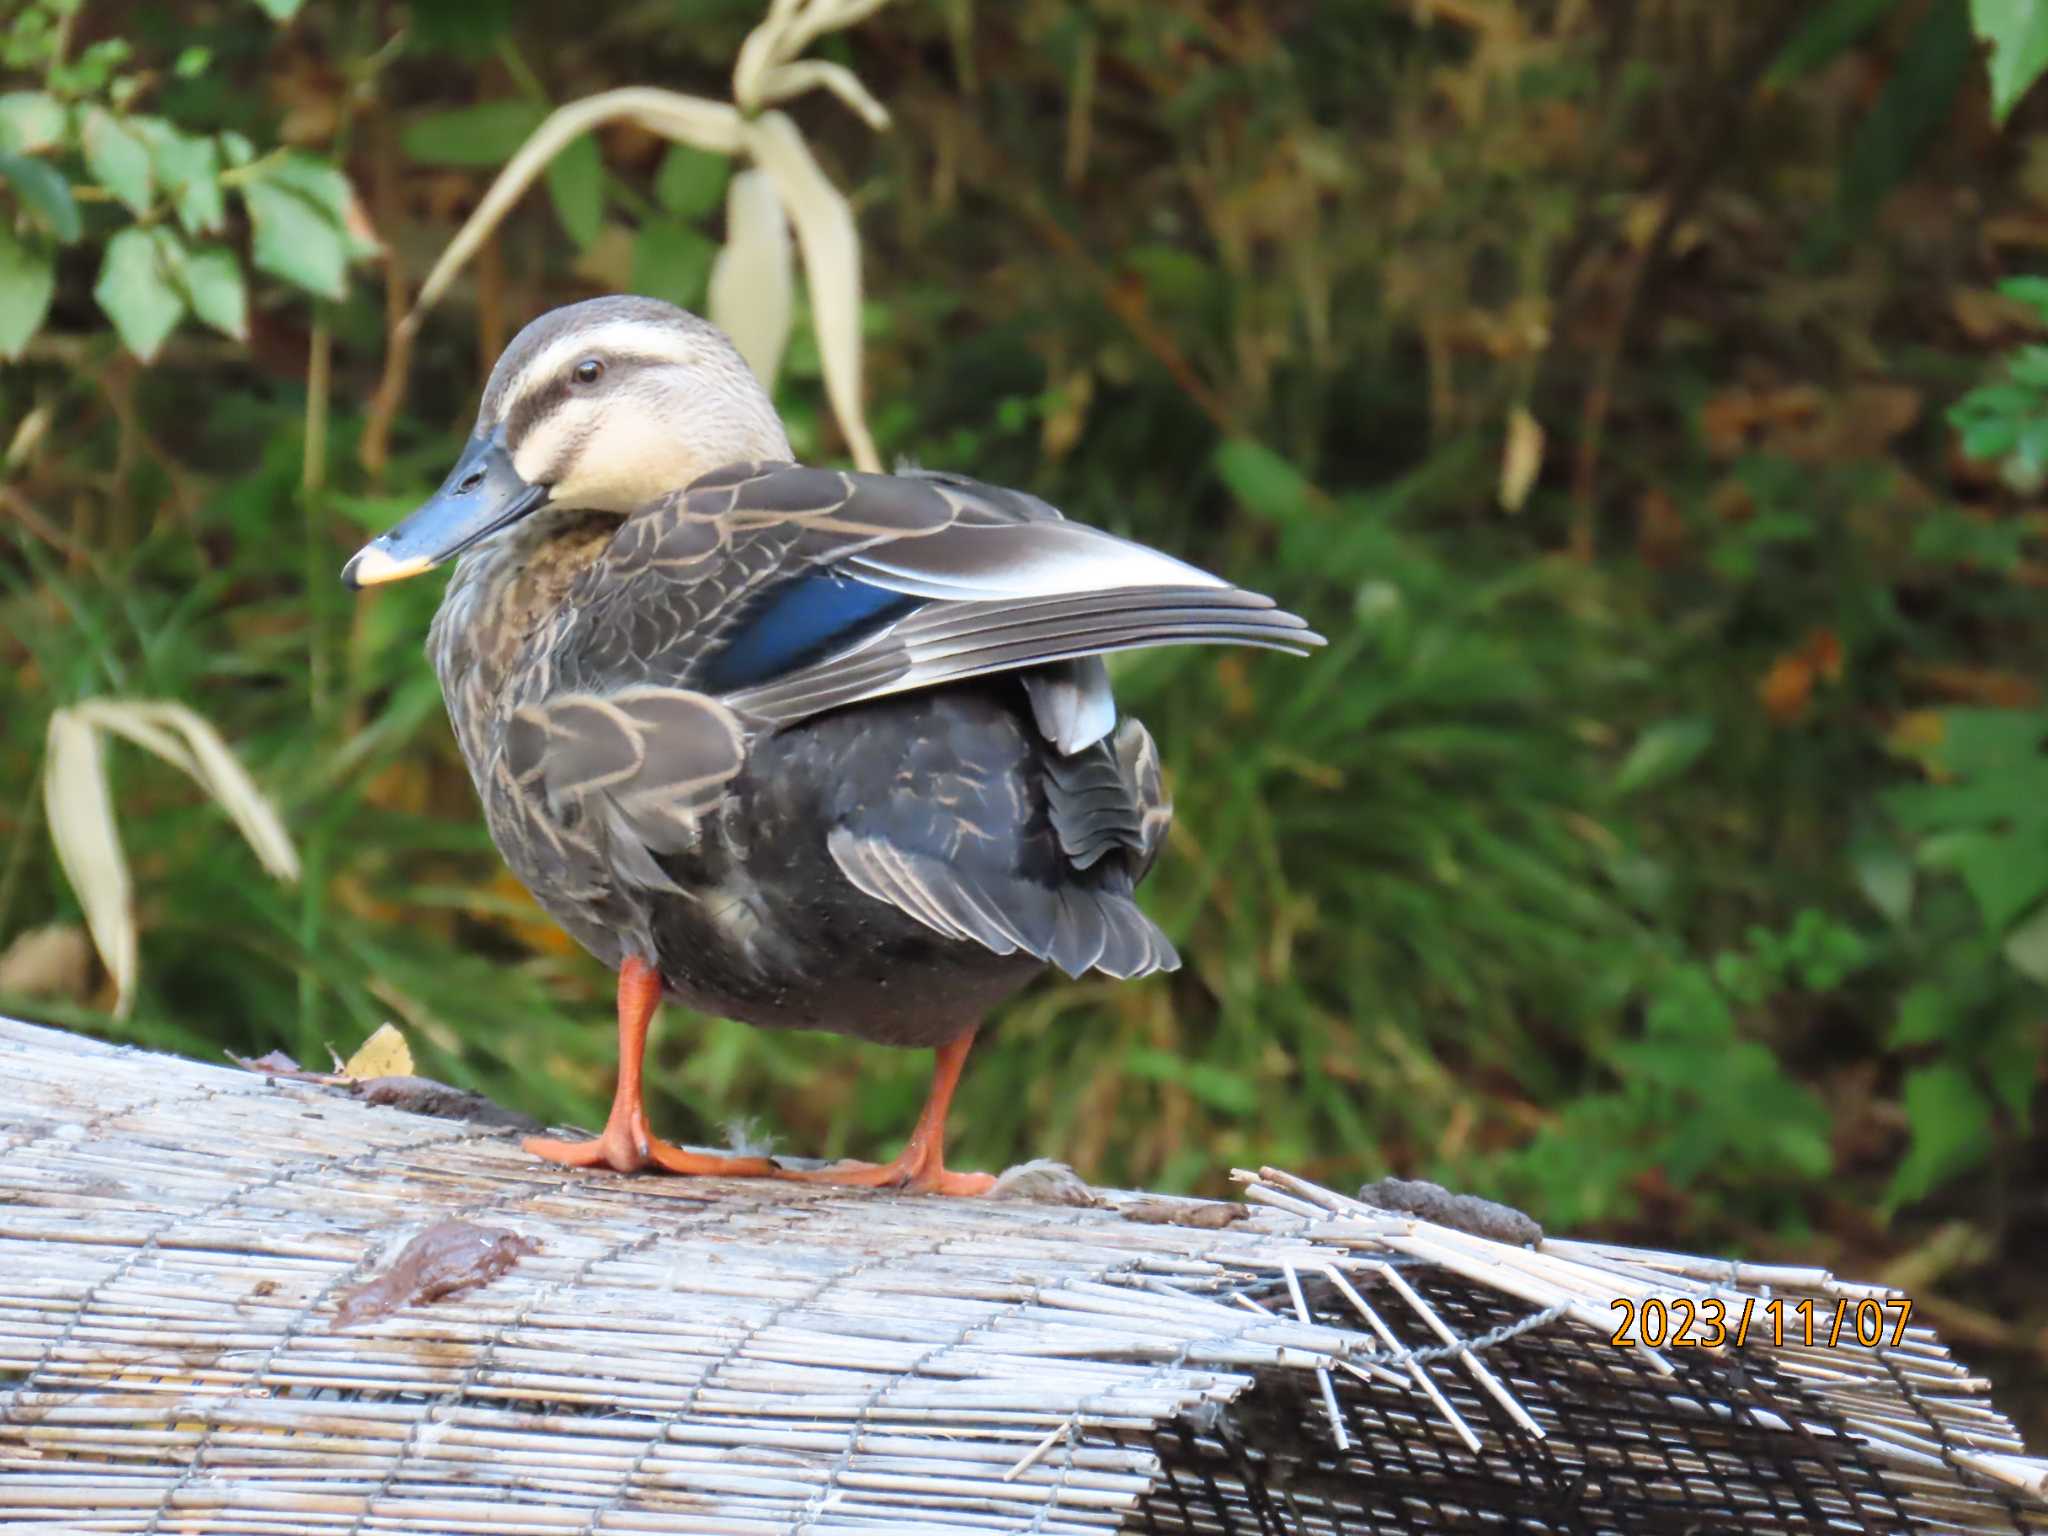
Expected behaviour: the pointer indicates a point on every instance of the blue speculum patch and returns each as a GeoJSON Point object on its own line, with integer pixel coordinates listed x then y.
{"type": "Point", "coordinates": [799, 621]}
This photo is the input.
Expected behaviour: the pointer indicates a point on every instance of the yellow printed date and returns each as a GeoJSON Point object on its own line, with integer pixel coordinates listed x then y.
{"type": "Point", "coordinates": [1707, 1322]}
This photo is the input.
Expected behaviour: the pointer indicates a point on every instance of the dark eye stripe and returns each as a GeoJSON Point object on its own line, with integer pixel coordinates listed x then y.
{"type": "Point", "coordinates": [540, 400]}
{"type": "Point", "coordinates": [531, 407]}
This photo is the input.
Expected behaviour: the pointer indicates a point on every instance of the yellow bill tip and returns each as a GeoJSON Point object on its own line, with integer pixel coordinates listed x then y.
{"type": "Point", "coordinates": [372, 567]}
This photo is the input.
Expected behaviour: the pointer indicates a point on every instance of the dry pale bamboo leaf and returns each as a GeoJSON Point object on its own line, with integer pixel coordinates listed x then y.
{"type": "Point", "coordinates": [787, 80]}
{"type": "Point", "coordinates": [80, 811]}
{"type": "Point", "coordinates": [80, 808]}
{"type": "Point", "coordinates": [222, 775]}
{"type": "Point", "coordinates": [1521, 461]}
{"type": "Point", "coordinates": [831, 248]}
{"type": "Point", "coordinates": [760, 51]}
{"type": "Point", "coordinates": [140, 725]}
{"type": "Point", "coordinates": [185, 741]}
{"type": "Point", "coordinates": [384, 1054]}
{"type": "Point", "coordinates": [813, 19]}
{"type": "Point", "coordinates": [752, 282]}
{"type": "Point", "coordinates": [709, 125]}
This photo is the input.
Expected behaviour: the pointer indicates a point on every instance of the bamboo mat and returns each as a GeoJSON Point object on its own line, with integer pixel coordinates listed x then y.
{"type": "Point", "coordinates": [183, 1247]}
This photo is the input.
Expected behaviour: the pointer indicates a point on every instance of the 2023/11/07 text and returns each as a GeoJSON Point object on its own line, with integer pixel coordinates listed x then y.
{"type": "Point", "coordinates": [1686, 1322]}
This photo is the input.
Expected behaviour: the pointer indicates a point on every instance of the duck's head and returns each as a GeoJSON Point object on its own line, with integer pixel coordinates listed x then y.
{"type": "Point", "coordinates": [602, 406]}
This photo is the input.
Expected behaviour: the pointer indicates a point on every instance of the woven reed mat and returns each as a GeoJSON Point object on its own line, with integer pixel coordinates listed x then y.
{"type": "Point", "coordinates": [183, 1247]}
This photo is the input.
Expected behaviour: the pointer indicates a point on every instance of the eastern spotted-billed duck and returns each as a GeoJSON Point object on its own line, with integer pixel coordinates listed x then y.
{"type": "Point", "coordinates": [802, 747]}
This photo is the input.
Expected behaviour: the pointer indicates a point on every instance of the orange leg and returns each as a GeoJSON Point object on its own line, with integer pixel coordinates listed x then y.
{"type": "Point", "coordinates": [921, 1166]}
{"type": "Point", "coordinates": [625, 1145]}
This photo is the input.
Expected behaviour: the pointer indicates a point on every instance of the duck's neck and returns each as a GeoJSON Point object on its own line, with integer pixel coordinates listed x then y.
{"type": "Point", "coordinates": [499, 593]}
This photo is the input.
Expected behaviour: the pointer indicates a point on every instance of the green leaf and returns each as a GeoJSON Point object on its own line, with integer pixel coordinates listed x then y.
{"type": "Point", "coordinates": [212, 281]}
{"type": "Point", "coordinates": [1884, 873]}
{"type": "Point", "coordinates": [691, 181]}
{"type": "Point", "coordinates": [296, 240]}
{"type": "Point", "coordinates": [576, 187]}
{"type": "Point", "coordinates": [29, 121]}
{"type": "Point", "coordinates": [487, 134]}
{"type": "Point", "coordinates": [323, 185]}
{"type": "Point", "coordinates": [280, 10]}
{"type": "Point", "coordinates": [2026, 946]}
{"type": "Point", "coordinates": [117, 157]}
{"type": "Point", "coordinates": [1951, 1124]}
{"type": "Point", "coordinates": [1926, 1015]}
{"type": "Point", "coordinates": [1664, 751]}
{"type": "Point", "coordinates": [28, 276]}
{"type": "Point", "coordinates": [188, 169]}
{"type": "Point", "coordinates": [1263, 481]}
{"type": "Point", "coordinates": [2017, 31]}
{"type": "Point", "coordinates": [1979, 742]}
{"type": "Point", "coordinates": [43, 189]}
{"type": "Point", "coordinates": [2030, 291]}
{"type": "Point", "coordinates": [2005, 873]}
{"type": "Point", "coordinates": [299, 209]}
{"type": "Point", "coordinates": [672, 260]}
{"type": "Point", "coordinates": [137, 292]}
{"type": "Point", "coordinates": [1913, 105]}
{"type": "Point", "coordinates": [1831, 30]}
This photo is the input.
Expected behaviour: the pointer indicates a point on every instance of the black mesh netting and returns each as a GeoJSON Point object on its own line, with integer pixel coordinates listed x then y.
{"type": "Point", "coordinates": [1726, 1445]}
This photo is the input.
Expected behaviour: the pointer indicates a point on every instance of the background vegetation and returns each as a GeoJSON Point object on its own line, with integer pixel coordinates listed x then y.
{"type": "Point", "coordinates": [1648, 397]}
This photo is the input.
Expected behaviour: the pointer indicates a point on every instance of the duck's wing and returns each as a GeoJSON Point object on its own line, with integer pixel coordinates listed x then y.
{"type": "Point", "coordinates": [895, 582]}
{"type": "Point", "coordinates": [767, 593]}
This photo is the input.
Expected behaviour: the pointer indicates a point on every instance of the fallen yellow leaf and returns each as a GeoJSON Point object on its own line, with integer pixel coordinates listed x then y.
{"type": "Point", "coordinates": [384, 1054]}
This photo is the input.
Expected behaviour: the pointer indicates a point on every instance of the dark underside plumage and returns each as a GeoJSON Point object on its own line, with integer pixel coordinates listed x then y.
{"type": "Point", "coordinates": [834, 751]}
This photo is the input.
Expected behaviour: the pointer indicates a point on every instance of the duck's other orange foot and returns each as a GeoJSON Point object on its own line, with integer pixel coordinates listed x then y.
{"type": "Point", "coordinates": [919, 1175]}
{"type": "Point", "coordinates": [921, 1166]}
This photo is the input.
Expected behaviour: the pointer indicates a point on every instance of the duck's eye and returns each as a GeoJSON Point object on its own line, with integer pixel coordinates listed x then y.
{"type": "Point", "coordinates": [589, 371]}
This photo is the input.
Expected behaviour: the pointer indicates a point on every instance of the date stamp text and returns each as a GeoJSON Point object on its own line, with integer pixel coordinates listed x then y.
{"type": "Point", "coordinates": [1681, 1322]}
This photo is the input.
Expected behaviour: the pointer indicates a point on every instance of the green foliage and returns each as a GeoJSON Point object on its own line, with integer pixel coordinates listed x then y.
{"type": "Point", "coordinates": [81, 131]}
{"type": "Point", "coordinates": [483, 136]}
{"type": "Point", "coordinates": [2017, 31]}
{"type": "Point", "coordinates": [1699, 1098]}
{"type": "Point", "coordinates": [691, 182]}
{"type": "Point", "coordinates": [2007, 423]}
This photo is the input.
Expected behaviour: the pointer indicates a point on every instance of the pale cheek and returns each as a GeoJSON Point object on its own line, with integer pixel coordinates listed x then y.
{"type": "Point", "coordinates": [540, 453]}
{"type": "Point", "coordinates": [630, 459]}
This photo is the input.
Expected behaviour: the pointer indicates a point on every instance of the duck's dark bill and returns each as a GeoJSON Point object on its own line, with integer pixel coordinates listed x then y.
{"type": "Point", "coordinates": [482, 494]}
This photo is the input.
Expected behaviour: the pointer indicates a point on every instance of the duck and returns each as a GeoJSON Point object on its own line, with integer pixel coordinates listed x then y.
{"type": "Point", "coordinates": [801, 746]}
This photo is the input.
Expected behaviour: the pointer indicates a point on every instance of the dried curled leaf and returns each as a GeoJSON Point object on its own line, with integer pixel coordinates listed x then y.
{"type": "Point", "coordinates": [767, 70]}
{"type": "Point", "coordinates": [831, 246]}
{"type": "Point", "coordinates": [80, 809]}
{"type": "Point", "coordinates": [709, 125]}
{"type": "Point", "coordinates": [752, 282]}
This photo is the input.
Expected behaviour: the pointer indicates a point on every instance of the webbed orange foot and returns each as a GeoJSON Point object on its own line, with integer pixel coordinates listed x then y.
{"type": "Point", "coordinates": [926, 1177]}
{"type": "Point", "coordinates": [921, 1166]}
